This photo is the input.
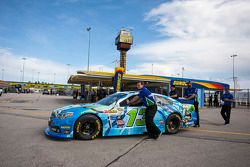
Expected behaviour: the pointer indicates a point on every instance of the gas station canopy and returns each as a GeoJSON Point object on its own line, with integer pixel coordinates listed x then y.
{"type": "Point", "coordinates": [106, 79]}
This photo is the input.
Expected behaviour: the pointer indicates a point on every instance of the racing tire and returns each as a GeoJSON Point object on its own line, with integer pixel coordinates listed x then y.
{"type": "Point", "coordinates": [173, 124]}
{"type": "Point", "coordinates": [87, 127]}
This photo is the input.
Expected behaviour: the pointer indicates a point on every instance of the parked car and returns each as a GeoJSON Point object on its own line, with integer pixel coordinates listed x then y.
{"type": "Point", "coordinates": [45, 92]}
{"type": "Point", "coordinates": [1, 91]}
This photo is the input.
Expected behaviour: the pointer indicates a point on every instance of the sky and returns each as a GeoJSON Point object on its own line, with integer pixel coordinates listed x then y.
{"type": "Point", "coordinates": [199, 36]}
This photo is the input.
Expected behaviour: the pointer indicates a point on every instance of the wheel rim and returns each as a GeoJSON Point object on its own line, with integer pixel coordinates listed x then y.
{"type": "Point", "coordinates": [88, 128]}
{"type": "Point", "coordinates": [174, 123]}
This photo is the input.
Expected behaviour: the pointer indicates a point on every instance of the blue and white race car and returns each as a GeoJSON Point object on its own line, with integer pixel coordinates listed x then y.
{"type": "Point", "coordinates": [112, 116]}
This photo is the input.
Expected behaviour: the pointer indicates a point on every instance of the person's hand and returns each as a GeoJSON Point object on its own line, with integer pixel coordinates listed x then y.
{"type": "Point", "coordinates": [127, 101]}
{"type": "Point", "coordinates": [185, 98]}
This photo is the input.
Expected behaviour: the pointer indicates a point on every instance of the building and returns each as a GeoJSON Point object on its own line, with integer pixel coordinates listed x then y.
{"type": "Point", "coordinates": [157, 84]}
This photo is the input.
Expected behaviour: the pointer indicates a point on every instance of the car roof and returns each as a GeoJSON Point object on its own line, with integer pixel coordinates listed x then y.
{"type": "Point", "coordinates": [128, 92]}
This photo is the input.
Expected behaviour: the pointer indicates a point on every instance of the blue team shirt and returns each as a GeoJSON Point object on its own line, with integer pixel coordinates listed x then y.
{"type": "Point", "coordinates": [227, 96]}
{"type": "Point", "coordinates": [189, 92]}
{"type": "Point", "coordinates": [173, 92]}
{"type": "Point", "coordinates": [147, 97]}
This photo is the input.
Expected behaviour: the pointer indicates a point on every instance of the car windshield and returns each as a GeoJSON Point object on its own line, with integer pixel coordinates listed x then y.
{"type": "Point", "coordinates": [111, 99]}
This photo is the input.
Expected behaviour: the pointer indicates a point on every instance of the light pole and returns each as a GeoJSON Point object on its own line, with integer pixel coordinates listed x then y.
{"type": "Point", "coordinates": [68, 70]}
{"type": "Point", "coordinates": [23, 67]}
{"type": "Point", "coordinates": [2, 74]}
{"type": "Point", "coordinates": [32, 78]}
{"type": "Point", "coordinates": [54, 77]}
{"type": "Point", "coordinates": [233, 56]}
{"type": "Point", "coordinates": [38, 73]}
{"type": "Point", "coordinates": [88, 29]}
{"type": "Point", "coordinates": [152, 69]}
{"type": "Point", "coordinates": [21, 73]}
{"type": "Point", "coordinates": [182, 72]}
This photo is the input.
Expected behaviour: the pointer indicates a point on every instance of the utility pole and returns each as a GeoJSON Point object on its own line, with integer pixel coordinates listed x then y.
{"type": "Point", "coordinates": [23, 67]}
{"type": "Point", "coordinates": [248, 100]}
{"type": "Point", "coordinates": [182, 72]}
{"type": "Point", "coordinates": [152, 69]}
{"type": "Point", "coordinates": [38, 73]}
{"type": "Point", "coordinates": [233, 56]}
{"type": "Point", "coordinates": [2, 74]}
{"type": "Point", "coordinates": [88, 29]}
{"type": "Point", "coordinates": [21, 73]}
{"type": "Point", "coordinates": [32, 78]}
{"type": "Point", "coordinates": [54, 78]}
{"type": "Point", "coordinates": [68, 70]}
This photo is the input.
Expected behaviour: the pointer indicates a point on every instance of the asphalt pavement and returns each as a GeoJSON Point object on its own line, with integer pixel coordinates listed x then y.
{"type": "Point", "coordinates": [23, 118]}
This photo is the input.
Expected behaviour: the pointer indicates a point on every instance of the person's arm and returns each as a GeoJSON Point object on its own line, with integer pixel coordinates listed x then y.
{"type": "Point", "coordinates": [134, 101]}
{"type": "Point", "coordinates": [174, 96]}
{"type": "Point", "coordinates": [230, 99]}
{"type": "Point", "coordinates": [193, 95]}
{"type": "Point", "coordinates": [190, 97]}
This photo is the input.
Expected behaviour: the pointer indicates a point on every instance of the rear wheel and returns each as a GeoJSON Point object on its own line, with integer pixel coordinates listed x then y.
{"type": "Point", "coordinates": [87, 127]}
{"type": "Point", "coordinates": [173, 124]}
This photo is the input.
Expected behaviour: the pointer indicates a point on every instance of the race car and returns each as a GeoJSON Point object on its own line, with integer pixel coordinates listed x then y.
{"type": "Point", "coordinates": [112, 116]}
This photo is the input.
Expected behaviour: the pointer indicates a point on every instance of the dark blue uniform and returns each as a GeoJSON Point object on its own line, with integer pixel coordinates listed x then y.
{"type": "Point", "coordinates": [173, 92]}
{"type": "Point", "coordinates": [226, 107]}
{"type": "Point", "coordinates": [189, 92]}
{"type": "Point", "coordinates": [227, 96]}
{"type": "Point", "coordinates": [147, 97]}
{"type": "Point", "coordinates": [149, 102]}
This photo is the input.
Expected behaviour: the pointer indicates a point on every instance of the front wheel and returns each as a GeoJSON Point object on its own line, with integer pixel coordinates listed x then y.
{"type": "Point", "coordinates": [87, 127]}
{"type": "Point", "coordinates": [173, 124]}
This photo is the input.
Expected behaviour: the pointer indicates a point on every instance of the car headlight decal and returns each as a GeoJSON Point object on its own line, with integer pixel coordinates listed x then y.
{"type": "Point", "coordinates": [64, 115]}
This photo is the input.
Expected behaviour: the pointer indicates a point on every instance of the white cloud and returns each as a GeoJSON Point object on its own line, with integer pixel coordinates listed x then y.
{"type": "Point", "coordinates": [13, 65]}
{"type": "Point", "coordinates": [200, 36]}
{"type": "Point", "coordinates": [206, 18]}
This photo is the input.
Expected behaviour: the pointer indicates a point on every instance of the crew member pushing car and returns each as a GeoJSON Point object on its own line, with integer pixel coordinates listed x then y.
{"type": "Point", "coordinates": [148, 99]}
{"type": "Point", "coordinates": [227, 100]}
{"type": "Point", "coordinates": [191, 94]}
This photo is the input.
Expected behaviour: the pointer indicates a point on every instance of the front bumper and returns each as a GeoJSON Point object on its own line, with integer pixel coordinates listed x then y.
{"type": "Point", "coordinates": [59, 128]}
{"type": "Point", "coordinates": [51, 133]}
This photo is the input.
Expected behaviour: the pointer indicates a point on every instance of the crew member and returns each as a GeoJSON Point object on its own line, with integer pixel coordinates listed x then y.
{"type": "Point", "coordinates": [191, 94]}
{"type": "Point", "coordinates": [227, 100]}
{"type": "Point", "coordinates": [173, 93]}
{"type": "Point", "coordinates": [210, 101]}
{"type": "Point", "coordinates": [148, 99]}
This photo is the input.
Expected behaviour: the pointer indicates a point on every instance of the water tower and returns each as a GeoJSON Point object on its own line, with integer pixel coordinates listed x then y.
{"type": "Point", "coordinates": [123, 41]}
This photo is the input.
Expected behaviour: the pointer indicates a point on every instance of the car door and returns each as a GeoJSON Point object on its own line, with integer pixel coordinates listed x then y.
{"type": "Point", "coordinates": [164, 108]}
{"type": "Point", "coordinates": [133, 117]}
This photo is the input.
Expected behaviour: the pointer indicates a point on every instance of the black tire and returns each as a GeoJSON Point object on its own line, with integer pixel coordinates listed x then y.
{"type": "Point", "coordinates": [87, 127]}
{"type": "Point", "coordinates": [173, 124]}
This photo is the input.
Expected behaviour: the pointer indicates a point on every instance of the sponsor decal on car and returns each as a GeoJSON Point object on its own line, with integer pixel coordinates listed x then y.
{"type": "Point", "coordinates": [65, 127]}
